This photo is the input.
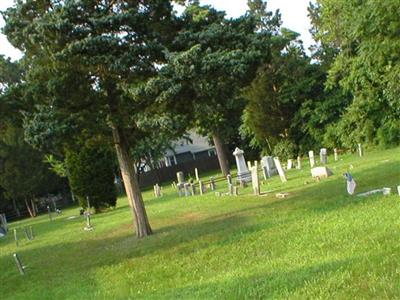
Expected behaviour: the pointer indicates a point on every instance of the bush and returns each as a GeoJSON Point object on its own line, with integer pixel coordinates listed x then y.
{"type": "Point", "coordinates": [91, 174]}
{"type": "Point", "coordinates": [285, 150]}
{"type": "Point", "coordinates": [389, 134]}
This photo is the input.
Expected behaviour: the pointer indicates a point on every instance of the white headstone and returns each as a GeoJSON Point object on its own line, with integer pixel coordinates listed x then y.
{"type": "Point", "coordinates": [312, 159]}
{"type": "Point", "coordinates": [321, 172]}
{"type": "Point", "coordinates": [254, 180]}
{"type": "Point", "coordinates": [298, 163]}
{"type": "Point", "coordinates": [280, 169]}
{"type": "Point", "coordinates": [268, 165]}
{"type": "Point", "coordinates": [360, 150]}
{"type": "Point", "coordinates": [289, 164]}
{"type": "Point", "coordinates": [323, 156]}
{"type": "Point", "coordinates": [335, 154]}
{"type": "Point", "coordinates": [243, 173]}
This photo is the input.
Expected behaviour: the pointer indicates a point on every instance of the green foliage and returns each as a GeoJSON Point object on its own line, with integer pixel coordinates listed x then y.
{"type": "Point", "coordinates": [365, 36]}
{"type": "Point", "coordinates": [285, 150]}
{"type": "Point", "coordinates": [91, 175]}
{"type": "Point", "coordinates": [24, 175]}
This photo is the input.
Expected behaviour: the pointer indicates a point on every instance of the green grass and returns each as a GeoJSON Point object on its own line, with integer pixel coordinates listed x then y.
{"type": "Point", "coordinates": [317, 243]}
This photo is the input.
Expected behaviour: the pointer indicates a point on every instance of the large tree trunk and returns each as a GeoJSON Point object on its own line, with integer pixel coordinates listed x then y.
{"type": "Point", "coordinates": [131, 183]}
{"type": "Point", "coordinates": [30, 209]}
{"type": "Point", "coordinates": [221, 153]}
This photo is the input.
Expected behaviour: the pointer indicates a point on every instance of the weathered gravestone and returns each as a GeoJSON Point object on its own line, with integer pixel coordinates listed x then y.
{"type": "Point", "coordinates": [335, 154]}
{"type": "Point", "coordinates": [186, 186]}
{"type": "Point", "coordinates": [268, 166]}
{"type": "Point", "coordinates": [298, 163]}
{"type": "Point", "coordinates": [321, 172]}
{"type": "Point", "coordinates": [157, 190]}
{"type": "Point", "coordinates": [18, 262]}
{"type": "Point", "coordinates": [196, 173]}
{"type": "Point", "coordinates": [230, 185]}
{"type": "Point", "coordinates": [3, 225]}
{"type": "Point", "coordinates": [254, 180]}
{"type": "Point", "coordinates": [289, 164]}
{"type": "Point", "coordinates": [360, 150]}
{"type": "Point", "coordinates": [212, 184]}
{"type": "Point", "coordinates": [201, 187]}
{"type": "Point", "coordinates": [312, 159]}
{"type": "Point", "coordinates": [323, 156]}
{"type": "Point", "coordinates": [280, 169]}
{"type": "Point", "coordinates": [193, 189]}
{"type": "Point", "coordinates": [243, 173]}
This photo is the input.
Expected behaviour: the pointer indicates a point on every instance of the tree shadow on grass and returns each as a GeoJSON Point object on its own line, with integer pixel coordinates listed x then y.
{"type": "Point", "coordinates": [262, 285]}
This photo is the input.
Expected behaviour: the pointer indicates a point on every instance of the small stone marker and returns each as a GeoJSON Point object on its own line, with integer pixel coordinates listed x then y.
{"type": "Point", "coordinates": [186, 186]}
{"type": "Point", "coordinates": [280, 169]}
{"type": "Point", "coordinates": [254, 180]}
{"type": "Point", "coordinates": [16, 237]}
{"type": "Point", "coordinates": [249, 165]}
{"type": "Point", "coordinates": [360, 150]}
{"type": "Point", "coordinates": [180, 192]}
{"type": "Point", "coordinates": [196, 173]}
{"type": "Point", "coordinates": [387, 191]}
{"type": "Point", "coordinates": [323, 156]}
{"type": "Point", "coordinates": [20, 266]}
{"type": "Point", "coordinates": [335, 154]}
{"type": "Point", "coordinates": [201, 187]}
{"type": "Point", "coordinates": [3, 224]}
{"type": "Point", "coordinates": [88, 226]}
{"type": "Point", "coordinates": [321, 172]}
{"type": "Point", "coordinates": [212, 184]}
{"type": "Point", "coordinates": [230, 189]}
{"type": "Point", "coordinates": [289, 164]}
{"type": "Point", "coordinates": [312, 159]}
{"type": "Point", "coordinates": [157, 191]}
{"type": "Point", "coordinates": [281, 195]}
{"type": "Point", "coordinates": [180, 177]}
{"type": "Point", "coordinates": [193, 189]}
{"type": "Point", "coordinates": [49, 212]}
{"type": "Point", "coordinates": [229, 178]}
{"type": "Point", "coordinates": [398, 189]}
{"type": "Point", "coordinates": [298, 167]}
{"type": "Point", "coordinates": [235, 191]}
{"type": "Point", "coordinates": [351, 184]}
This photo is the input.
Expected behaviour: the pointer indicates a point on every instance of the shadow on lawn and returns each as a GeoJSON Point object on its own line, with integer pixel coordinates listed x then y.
{"type": "Point", "coordinates": [263, 285]}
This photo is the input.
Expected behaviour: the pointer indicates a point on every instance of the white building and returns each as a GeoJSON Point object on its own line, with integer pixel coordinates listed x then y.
{"type": "Point", "coordinates": [185, 150]}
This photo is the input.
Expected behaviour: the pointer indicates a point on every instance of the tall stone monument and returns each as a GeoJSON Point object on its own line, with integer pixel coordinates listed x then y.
{"type": "Point", "coordinates": [243, 173]}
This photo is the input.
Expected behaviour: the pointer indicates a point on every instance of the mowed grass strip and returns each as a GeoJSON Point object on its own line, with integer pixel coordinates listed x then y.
{"type": "Point", "coordinates": [316, 243]}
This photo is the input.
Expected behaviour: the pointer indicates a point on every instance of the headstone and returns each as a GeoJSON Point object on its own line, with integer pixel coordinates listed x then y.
{"type": "Point", "coordinates": [248, 165]}
{"type": "Point", "coordinates": [350, 182]}
{"type": "Point", "coordinates": [243, 173]}
{"type": "Point", "coordinates": [196, 173]}
{"type": "Point", "coordinates": [398, 189]}
{"type": "Point", "coordinates": [3, 223]}
{"type": "Point", "coordinates": [312, 159]}
{"type": "Point", "coordinates": [180, 177]}
{"type": "Point", "coordinates": [280, 169]}
{"type": "Point", "coordinates": [19, 264]}
{"type": "Point", "coordinates": [16, 237]}
{"type": "Point", "coordinates": [298, 163]}
{"type": "Point", "coordinates": [268, 166]}
{"type": "Point", "coordinates": [323, 156]}
{"type": "Point", "coordinates": [254, 181]}
{"type": "Point", "coordinates": [321, 172]}
{"type": "Point", "coordinates": [31, 232]}
{"type": "Point", "coordinates": [235, 191]}
{"type": "Point", "coordinates": [157, 191]}
{"type": "Point", "coordinates": [229, 178]}
{"type": "Point", "coordinates": [180, 190]}
{"type": "Point", "coordinates": [49, 212]}
{"type": "Point", "coordinates": [212, 184]}
{"type": "Point", "coordinates": [360, 150]}
{"type": "Point", "coordinates": [230, 188]}
{"type": "Point", "coordinates": [201, 187]}
{"type": "Point", "coordinates": [193, 189]}
{"type": "Point", "coordinates": [186, 186]}
{"type": "Point", "coordinates": [289, 164]}
{"type": "Point", "coordinates": [335, 154]}
{"type": "Point", "coordinates": [88, 226]}
{"type": "Point", "coordinates": [387, 191]}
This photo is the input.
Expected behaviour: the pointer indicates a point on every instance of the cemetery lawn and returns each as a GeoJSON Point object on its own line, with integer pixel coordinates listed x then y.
{"type": "Point", "coordinates": [316, 243]}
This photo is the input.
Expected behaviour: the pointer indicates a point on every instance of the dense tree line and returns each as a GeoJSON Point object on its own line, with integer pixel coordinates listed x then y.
{"type": "Point", "coordinates": [135, 75]}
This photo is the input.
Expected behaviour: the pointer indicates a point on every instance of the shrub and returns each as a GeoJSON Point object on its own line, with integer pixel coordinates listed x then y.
{"type": "Point", "coordinates": [285, 149]}
{"type": "Point", "coordinates": [91, 174]}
